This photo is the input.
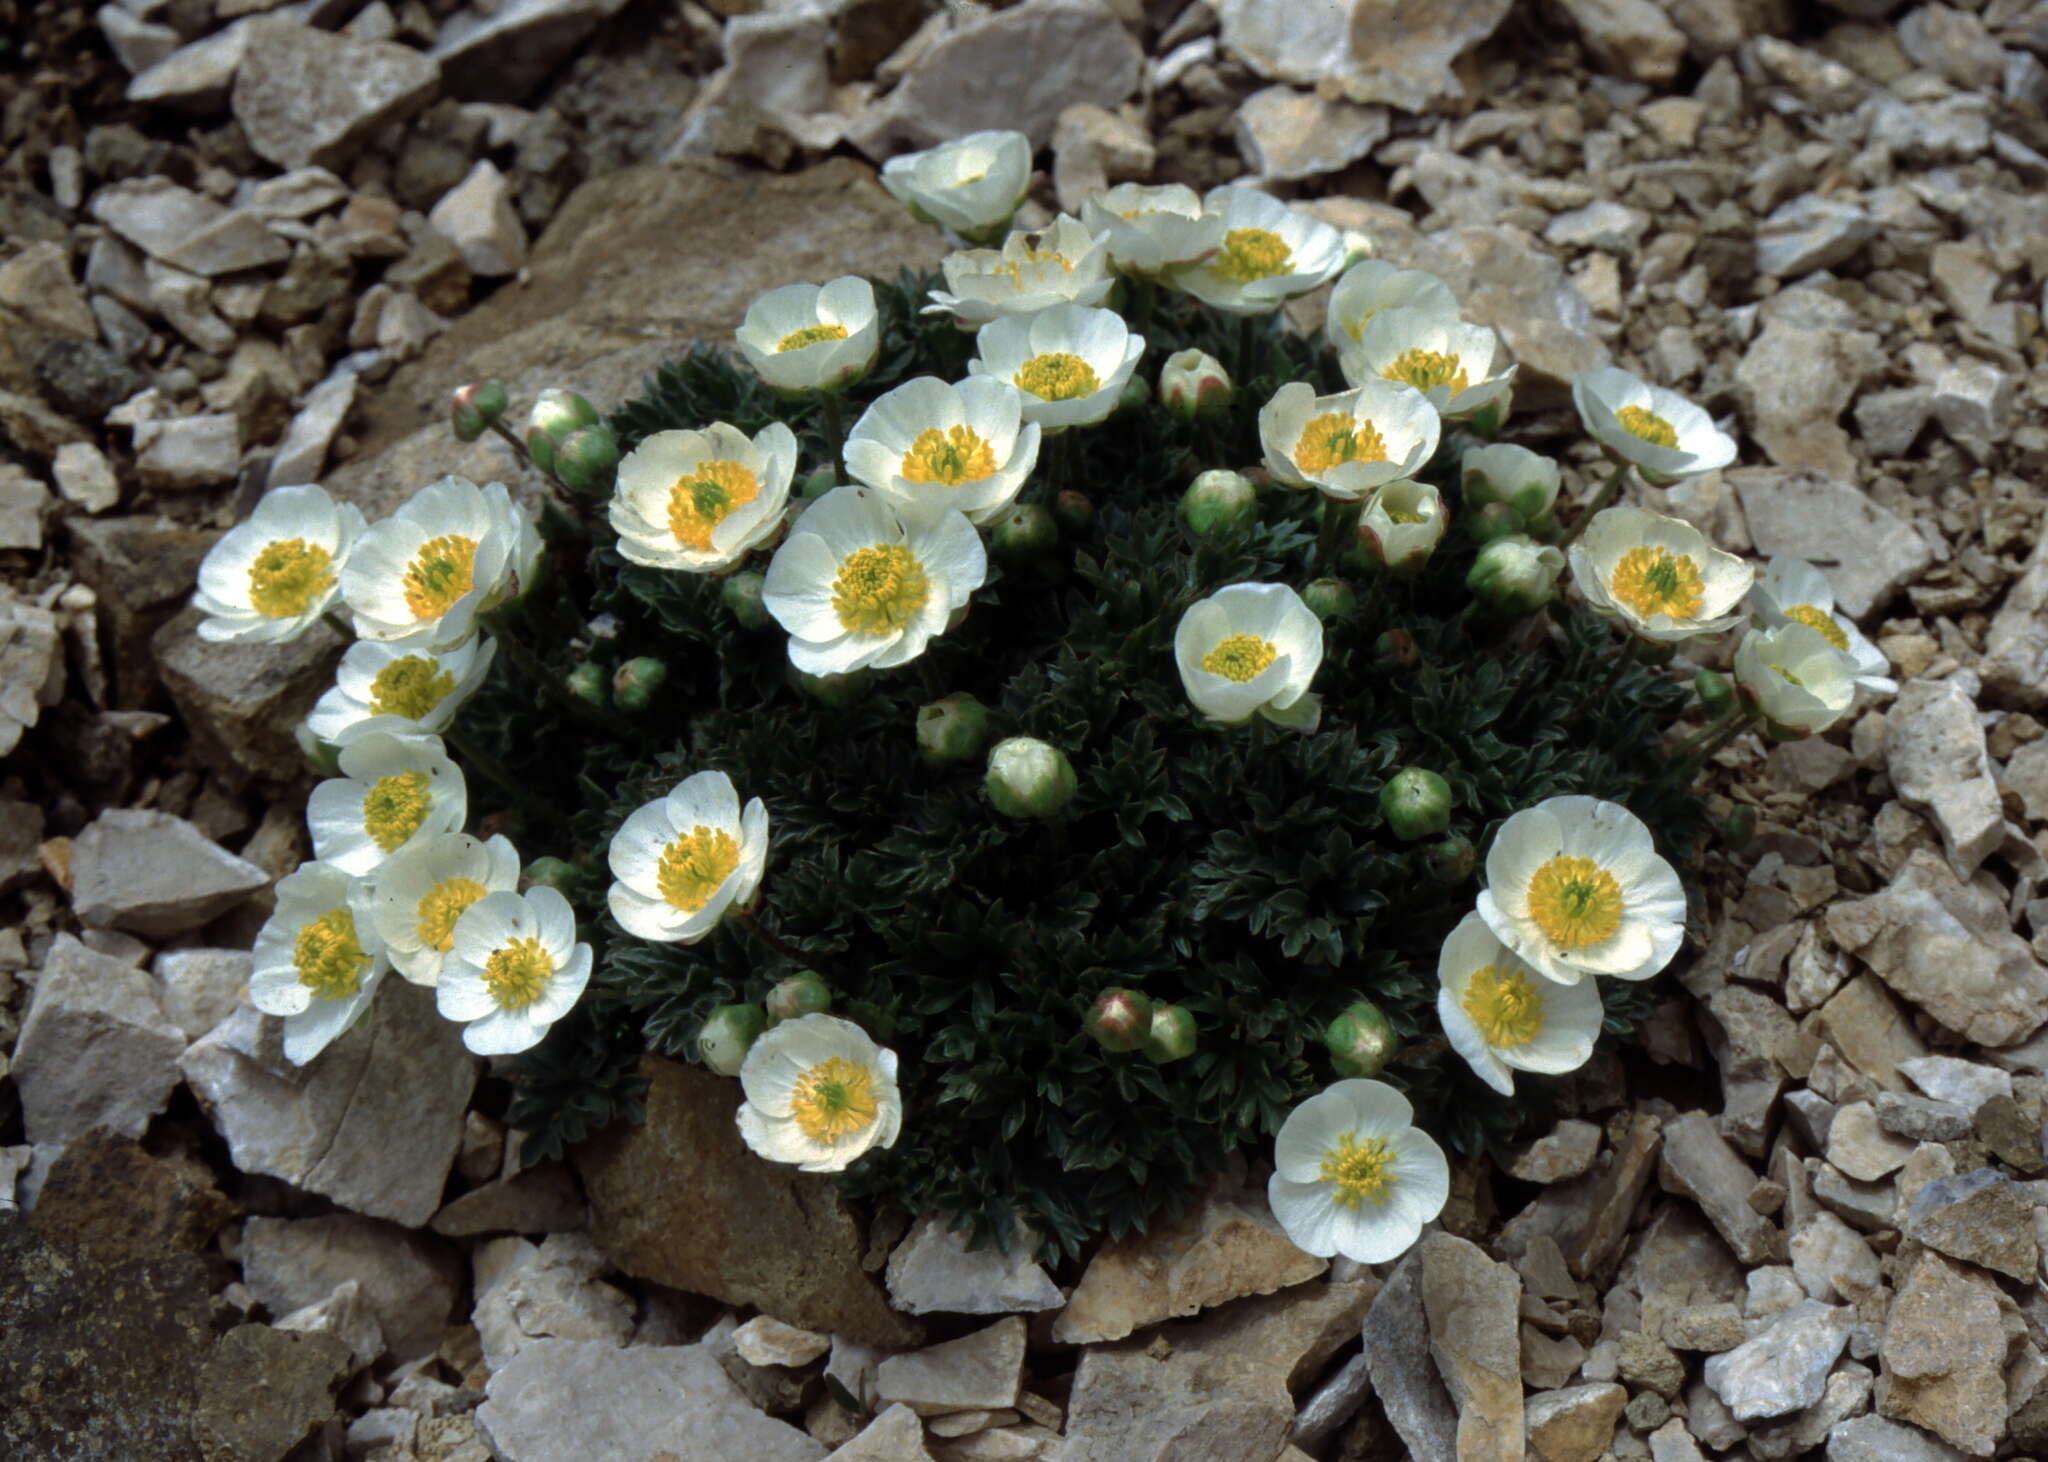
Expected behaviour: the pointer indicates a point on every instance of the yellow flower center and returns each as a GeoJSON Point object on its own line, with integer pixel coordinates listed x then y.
{"type": "Point", "coordinates": [441, 906]}
{"type": "Point", "coordinates": [1819, 620]}
{"type": "Point", "coordinates": [1362, 1172]}
{"type": "Point", "coordinates": [694, 865]}
{"type": "Point", "coordinates": [330, 961]}
{"type": "Point", "coordinates": [1251, 253]}
{"type": "Point", "coordinates": [410, 686]}
{"type": "Point", "coordinates": [1657, 581]}
{"type": "Point", "coordinates": [1790, 678]}
{"type": "Point", "coordinates": [1506, 1006]}
{"type": "Point", "coordinates": [1015, 267]}
{"type": "Point", "coordinates": [518, 974]}
{"type": "Point", "coordinates": [834, 1099]}
{"type": "Point", "coordinates": [287, 576]}
{"type": "Point", "coordinates": [1575, 902]}
{"type": "Point", "coordinates": [394, 808]}
{"type": "Point", "coordinates": [809, 335]}
{"type": "Point", "coordinates": [1335, 438]}
{"type": "Point", "coordinates": [439, 575]}
{"type": "Point", "coordinates": [952, 456]}
{"type": "Point", "coordinates": [1642, 422]}
{"type": "Point", "coordinates": [1424, 369]}
{"type": "Point", "coordinates": [1058, 376]}
{"type": "Point", "coordinates": [879, 589]}
{"type": "Point", "coordinates": [1240, 657]}
{"type": "Point", "coordinates": [714, 491]}
{"type": "Point", "coordinates": [1402, 515]}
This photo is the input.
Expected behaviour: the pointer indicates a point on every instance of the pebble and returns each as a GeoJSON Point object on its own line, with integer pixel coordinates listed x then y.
{"type": "Point", "coordinates": [1574, 1424]}
{"type": "Point", "coordinates": [305, 96]}
{"type": "Point", "coordinates": [1785, 1366]}
{"type": "Point", "coordinates": [1352, 46]}
{"type": "Point", "coordinates": [1873, 1439]}
{"type": "Point", "coordinates": [1284, 133]}
{"type": "Point", "coordinates": [1832, 1262]}
{"type": "Point", "coordinates": [477, 216]}
{"type": "Point", "coordinates": [1943, 1355]}
{"type": "Point", "coordinates": [31, 668]}
{"type": "Point", "coordinates": [766, 1341]}
{"type": "Point", "coordinates": [547, 1291]}
{"type": "Point", "coordinates": [408, 1282]}
{"type": "Point", "coordinates": [982, 1370]}
{"type": "Point", "coordinates": [1861, 1147]}
{"type": "Point", "coordinates": [1810, 233]}
{"type": "Point", "coordinates": [187, 230]}
{"type": "Point", "coordinates": [1922, 1118]}
{"type": "Point", "coordinates": [934, 1270]}
{"type": "Point", "coordinates": [1397, 1356]}
{"type": "Point", "coordinates": [1632, 37]}
{"type": "Point", "coordinates": [1978, 1217]}
{"type": "Point", "coordinates": [1566, 1151]}
{"type": "Point", "coordinates": [188, 452]}
{"type": "Point", "coordinates": [154, 874]}
{"type": "Point", "coordinates": [1472, 1304]}
{"type": "Point", "coordinates": [95, 1049]}
{"type": "Point", "coordinates": [1699, 1164]}
{"type": "Point", "coordinates": [201, 987]}
{"type": "Point", "coordinates": [347, 1317]}
{"type": "Point", "coordinates": [302, 455]}
{"type": "Point", "coordinates": [85, 478]}
{"type": "Point", "coordinates": [195, 77]}
{"type": "Point", "coordinates": [24, 503]}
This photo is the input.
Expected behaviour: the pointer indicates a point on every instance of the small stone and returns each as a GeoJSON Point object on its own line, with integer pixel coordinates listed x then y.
{"type": "Point", "coordinates": [408, 1282]}
{"type": "Point", "coordinates": [307, 96]}
{"type": "Point", "coordinates": [1400, 56]}
{"type": "Point", "coordinates": [302, 455]}
{"type": "Point", "coordinates": [2010, 1135]}
{"type": "Point", "coordinates": [1873, 1439]}
{"type": "Point", "coordinates": [263, 1391]}
{"type": "Point", "coordinates": [1810, 233]}
{"type": "Point", "coordinates": [1575, 1424]}
{"type": "Point", "coordinates": [1093, 147]}
{"type": "Point", "coordinates": [527, 1293]}
{"type": "Point", "coordinates": [1711, 1328]}
{"type": "Point", "coordinates": [85, 478]}
{"type": "Point", "coordinates": [1847, 1394]}
{"type": "Point", "coordinates": [1645, 1361]}
{"type": "Point", "coordinates": [2015, 663]}
{"type": "Point", "coordinates": [1866, 1027]}
{"type": "Point", "coordinates": [31, 668]}
{"type": "Point", "coordinates": [188, 452]}
{"type": "Point", "coordinates": [1699, 1164]}
{"type": "Point", "coordinates": [477, 216]}
{"type": "Point", "coordinates": [1955, 44]}
{"type": "Point", "coordinates": [344, 1316]}
{"type": "Point", "coordinates": [1472, 1305]}
{"type": "Point", "coordinates": [895, 1435]}
{"type": "Point", "coordinates": [1283, 133]}
{"type": "Point", "coordinates": [1795, 381]}
{"type": "Point", "coordinates": [85, 379]}
{"type": "Point", "coordinates": [766, 1341]}
{"type": "Point", "coordinates": [300, 193]}
{"type": "Point", "coordinates": [137, 44]}
{"type": "Point", "coordinates": [1921, 1119]}
{"type": "Point", "coordinates": [1566, 1151]}
{"type": "Point", "coordinates": [1397, 1356]}
{"type": "Point", "coordinates": [1935, 752]}
{"type": "Point", "coordinates": [112, 1201]}
{"type": "Point", "coordinates": [934, 1270]}
{"type": "Point", "coordinates": [1671, 1442]}
{"type": "Point", "coordinates": [1869, 1206]}
{"type": "Point", "coordinates": [981, 1370]}
{"type": "Point", "coordinates": [1832, 1262]}
{"type": "Point", "coordinates": [1601, 224]}
{"type": "Point", "coordinates": [36, 285]}
{"type": "Point", "coordinates": [187, 230]}
{"type": "Point", "coordinates": [95, 1049]}
{"type": "Point", "coordinates": [1943, 1356]}
{"type": "Point", "coordinates": [183, 299]}
{"type": "Point", "coordinates": [241, 701]}
{"type": "Point", "coordinates": [154, 874]}
{"type": "Point", "coordinates": [23, 506]}
{"type": "Point", "coordinates": [1860, 1146]}
{"type": "Point", "coordinates": [1966, 1084]}
{"type": "Point", "coordinates": [543, 1199]}
{"type": "Point", "coordinates": [502, 53]}
{"type": "Point", "coordinates": [1785, 1366]}
{"type": "Point", "coordinates": [1978, 1217]}
{"type": "Point", "coordinates": [1632, 37]}
{"type": "Point", "coordinates": [1975, 403]}
{"type": "Point", "coordinates": [194, 78]}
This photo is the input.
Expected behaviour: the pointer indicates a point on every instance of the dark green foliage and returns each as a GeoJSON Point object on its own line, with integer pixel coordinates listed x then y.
{"type": "Point", "coordinates": [1244, 874]}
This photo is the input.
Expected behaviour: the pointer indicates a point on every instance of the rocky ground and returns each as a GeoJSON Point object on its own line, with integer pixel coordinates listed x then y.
{"type": "Point", "coordinates": [248, 243]}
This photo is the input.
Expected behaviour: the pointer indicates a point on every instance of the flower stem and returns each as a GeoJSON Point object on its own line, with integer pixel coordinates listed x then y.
{"type": "Point", "coordinates": [512, 439]}
{"type": "Point", "coordinates": [835, 431]}
{"type": "Point", "coordinates": [1607, 493]}
{"type": "Point", "coordinates": [1144, 296]}
{"type": "Point", "coordinates": [773, 940]}
{"type": "Point", "coordinates": [1711, 738]}
{"type": "Point", "coordinates": [1340, 530]}
{"type": "Point", "coordinates": [1247, 348]}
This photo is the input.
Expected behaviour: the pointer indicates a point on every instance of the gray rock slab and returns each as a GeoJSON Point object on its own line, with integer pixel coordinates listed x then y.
{"type": "Point", "coordinates": [408, 1282]}
{"type": "Point", "coordinates": [95, 1050]}
{"type": "Point", "coordinates": [307, 96]}
{"type": "Point", "coordinates": [934, 1270]}
{"type": "Point", "coordinates": [154, 874]}
{"type": "Point", "coordinates": [186, 229]}
{"type": "Point", "coordinates": [1785, 1367]}
{"type": "Point", "coordinates": [1403, 1376]}
{"type": "Point", "coordinates": [1867, 552]}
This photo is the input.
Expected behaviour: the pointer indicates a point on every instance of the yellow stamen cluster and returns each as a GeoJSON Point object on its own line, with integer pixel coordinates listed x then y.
{"type": "Point", "coordinates": [410, 686]}
{"type": "Point", "coordinates": [394, 808]}
{"type": "Point", "coordinates": [879, 589]}
{"type": "Point", "coordinates": [1335, 438]}
{"type": "Point", "coordinates": [1505, 1005]}
{"type": "Point", "coordinates": [518, 973]}
{"type": "Point", "coordinates": [1402, 515]}
{"type": "Point", "coordinates": [951, 457]}
{"type": "Point", "coordinates": [439, 574]}
{"type": "Point", "coordinates": [1058, 375]}
{"type": "Point", "coordinates": [441, 906]}
{"type": "Point", "coordinates": [1240, 657]}
{"type": "Point", "coordinates": [328, 957]}
{"type": "Point", "coordinates": [1819, 620]}
{"type": "Point", "coordinates": [1425, 369]}
{"type": "Point", "coordinates": [1361, 1172]}
{"type": "Point", "coordinates": [834, 1099]}
{"type": "Point", "coordinates": [1790, 678]}
{"type": "Point", "coordinates": [1575, 902]}
{"type": "Point", "coordinates": [1642, 422]}
{"type": "Point", "coordinates": [1015, 267]}
{"type": "Point", "coordinates": [1657, 581]}
{"type": "Point", "coordinates": [1251, 253]}
{"type": "Point", "coordinates": [694, 865]}
{"type": "Point", "coordinates": [809, 335]}
{"type": "Point", "coordinates": [712, 492]}
{"type": "Point", "coordinates": [287, 576]}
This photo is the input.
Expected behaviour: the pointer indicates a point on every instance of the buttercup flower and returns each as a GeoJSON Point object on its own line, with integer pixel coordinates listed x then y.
{"type": "Point", "coordinates": [1267, 253]}
{"type": "Point", "coordinates": [425, 573]}
{"type": "Point", "coordinates": [699, 500]}
{"type": "Point", "coordinates": [399, 689]}
{"type": "Point", "coordinates": [1459, 367]}
{"type": "Point", "coordinates": [857, 586]}
{"type": "Point", "coordinates": [1350, 443]}
{"type": "Point", "coordinates": [317, 959]}
{"type": "Point", "coordinates": [1401, 526]}
{"type": "Point", "coordinates": [1575, 887]}
{"type": "Point", "coordinates": [1659, 432]}
{"type": "Point", "coordinates": [683, 860]}
{"type": "Point", "coordinates": [820, 1093]}
{"type": "Point", "coordinates": [425, 887]}
{"type": "Point", "coordinates": [1659, 576]}
{"type": "Point", "coordinates": [1149, 229]}
{"type": "Point", "coordinates": [812, 337]}
{"type": "Point", "coordinates": [1354, 1176]}
{"type": "Point", "coordinates": [1802, 683]}
{"type": "Point", "coordinates": [1793, 591]}
{"type": "Point", "coordinates": [929, 446]}
{"type": "Point", "coordinates": [1251, 648]}
{"type": "Point", "coordinates": [1374, 285]}
{"type": "Point", "coordinates": [392, 789]}
{"type": "Point", "coordinates": [1064, 264]}
{"type": "Point", "coordinates": [1505, 473]}
{"type": "Point", "coordinates": [513, 970]}
{"type": "Point", "coordinates": [1069, 362]}
{"type": "Point", "coordinates": [971, 185]}
{"type": "Point", "coordinates": [269, 578]}
{"type": "Point", "coordinates": [1503, 1016]}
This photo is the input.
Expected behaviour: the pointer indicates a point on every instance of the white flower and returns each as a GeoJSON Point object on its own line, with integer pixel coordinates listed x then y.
{"type": "Point", "coordinates": [1661, 433]}
{"type": "Point", "coordinates": [683, 860]}
{"type": "Point", "coordinates": [1069, 362]}
{"type": "Point", "coordinates": [1149, 229]}
{"type": "Point", "coordinates": [1801, 682]}
{"type": "Point", "coordinates": [1402, 524]}
{"type": "Point", "coordinates": [1502, 472]}
{"type": "Point", "coordinates": [699, 500]}
{"type": "Point", "coordinates": [1350, 443]}
{"type": "Point", "coordinates": [971, 184]}
{"type": "Point", "coordinates": [426, 886]}
{"type": "Point", "coordinates": [1575, 887]}
{"type": "Point", "coordinates": [269, 578]}
{"type": "Point", "coordinates": [514, 970]}
{"type": "Point", "coordinates": [453, 551]}
{"type": "Point", "coordinates": [820, 1093]}
{"type": "Point", "coordinates": [399, 689]}
{"type": "Point", "coordinates": [392, 789]}
{"type": "Point", "coordinates": [1659, 576]}
{"type": "Point", "coordinates": [1503, 1016]}
{"type": "Point", "coordinates": [1374, 285]}
{"type": "Point", "coordinates": [1266, 253]}
{"type": "Point", "coordinates": [1461, 368]}
{"type": "Point", "coordinates": [1251, 648]}
{"type": "Point", "coordinates": [1353, 1176]}
{"type": "Point", "coordinates": [1063, 264]}
{"type": "Point", "coordinates": [1791, 590]}
{"type": "Point", "coordinates": [812, 337]}
{"type": "Point", "coordinates": [317, 959]}
{"type": "Point", "coordinates": [856, 586]}
{"type": "Point", "coordinates": [928, 446]}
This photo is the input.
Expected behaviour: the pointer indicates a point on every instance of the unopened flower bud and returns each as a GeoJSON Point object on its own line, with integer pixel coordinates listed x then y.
{"type": "Point", "coordinates": [474, 407]}
{"type": "Point", "coordinates": [819, 482]}
{"type": "Point", "coordinates": [833, 690]}
{"type": "Point", "coordinates": [1397, 649]}
{"type": "Point", "coordinates": [587, 459]}
{"type": "Point", "coordinates": [1358, 246]}
{"type": "Point", "coordinates": [636, 683]}
{"type": "Point", "coordinates": [556, 873]}
{"type": "Point", "coordinates": [1170, 1034]}
{"type": "Point", "coordinates": [1361, 1040]}
{"type": "Point", "coordinates": [952, 728]}
{"type": "Point", "coordinates": [801, 994]}
{"type": "Point", "coordinates": [1330, 599]}
{"type": "Point", "coordinates": [323, 758]}
{"type": "Point", "coordinates": [1490, 418]}
{"type": "Point", "coordinates": [557, 412]}
{"type": "Point", "coordinates": [1451, 860]}
{"type": "Point", "coordinates": [588, 683]}
{"type": "Point", "coordinates": [726, 1036]}
{"type": "Point", "coordinates": [541, 448]}
{"type": "Point", "coordinates": [1136, 392]}
{"type": "Point", "coordinates": [1715, 694]}
{"type": "Point", "coordinates": [1073, 511]}
{"type": "Point", "coordinates": [1401, 526]}
{"type": "Point", "coordinates": [1416, 803]}
{"type": "Point", "coordinates": [1219, 502]}
{"type": "Point", "coordinates": [1512, 476]}
{"type": "Point", "coordinates": [1193, 383]}
{"type": "Point", "coordinates": [1493, 521]}
{"type": "Point", "coordinates": [1120, 1020]}
{"type": "Point", "coordinates": [742, 596]}
{"type": "Point", "coordinates": [1027, 533]}
{"type": "Point", "coordinates": [1029, 778]}
{"type": "Point", "coordinates": [1515, 575]}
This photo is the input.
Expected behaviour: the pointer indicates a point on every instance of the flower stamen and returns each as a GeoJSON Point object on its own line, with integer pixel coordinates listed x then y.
{"type": "Point", "coordinates": [1575, 902]}
{"type": "Point", "coordinates": [1058, 375]}
{"type": "Point", "coordinates": [410, 686]}
{"type": "Point", "coordinates": [1653, 581]}
{"type": "Point", "coordinates": [951, 457]}
{"type": "Point", "coordinates": [1337, 437]}
{"type": "Point", "coordinates": [1820, 621]}
{"type": "Point", "coordinates": [518, 973]}
{"type": "Point", "coordinates": [287, 576]}
{"type": "Point", "coordinates": [712, 491]}
{"type": "Point", "coordinates": [1425, 369]}
{"type": "Point", "coordinates": [441, 906]}
{"type": "Point", "coordinates": [1640, 421]}
{"type": "Point", "coordinates": [328, 957]}
{"type": "Point", "coordinates": [694, 866]}
{"type": "Point", "coordinates": [1362, 1172]}
{"type": "Point", "coordinates": [879, 589]}
{"type": "Point", "coordinates": [1240, 657]}
{"type": "Point", "coordinates": [1505, 1005]}
{"type": "Point", "coordinates": [1251, 253]}
{"type": "Point", "coordinates": [394, 808]}
{"type": "Point", "coordinates": [439, 574]}
{"type": "Point", "coordinates": [809, 335]}
{"type": "Point", "coordinates": [834, 1099]}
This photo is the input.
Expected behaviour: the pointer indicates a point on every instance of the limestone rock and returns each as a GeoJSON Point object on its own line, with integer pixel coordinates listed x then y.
{"type": "Point", "coordinates": [264, 1391]}
{"type": "Point", "coordinates": [154, 874]}
{"type": "Point", "coordinates": [766, 1341]}
{"type": "Point", "coordinates": [1934, 750]}
{"type": "Point", "coordinates": [303, 452]}
{"type": "Point", "coordinates": [1861, 1148]}
{"type": "Point", "coordinates": [95, 1049]}
{"type": "Point", "coordinates": [1698, 1164]}
{"type": "Point", "coordinates": [195, 78]}
{"type": "Point", "coordinates": [1795, 381]}
{"type": "Point", "coordinates": [1922, 1119]}
{"type": "Point", "coordinates": [1832, 1261]}
{"type": "Point", "coordinates": [1409, 1387]}
{"type": "Point", "coordinates": [1811, 232]}
{"type": "Point", "coordinates": [1093, 147]}
{"type": "Point", "coordinates": [526, 1293]}
{"type": "Point", "coordinates": [982, 1370]}
{"type": "Point", "coordinates": [477, 216]}
{"type": "Point", "coordinates": [310, 96]}
{"type": "Point", "coordinates": [502, 54]}
{"type": "Point", "coordinates": [344, 1316]}
{"type": "Point", "coordinates": [1283, 133]}
{"type": "Point", "coordinates": [1966, 1084]}
{"type": "Point", "coordinates": [185, 229]}
{"type": "Point", "coordinates": [1566, 1151]}
{"type": "Point", "coordinates": [111, 1201]}
{"type": "Point", "coordinates": [201, 987]}
{"type": "Point", "coordinates": [895, 1435]}
{"type": "Point", "coordinates": [1784, 1367]}
{"type": "Point", "coordinates": [1943, 1356]}
{"type": "Point", "coordinates": [1873, 1439]}
{"type": "Point", "coordinates": [137, 44]}
{"type": "Point", "coordinates": [2015, 663]}
{"type": "Point", "coordinates": [1589, 1218]}
{"type": "Point", "coordinates": [408, 1282]}
{"type": "Point", "coordinates": [933, 1269]}
{"type": "Point", "coordinates": [1867, 552]}
{"type": "Point", "coordinates": [23, 505]}
{"type": "Point", "coordinates": [31, 668]}
{"type": "Point", "coordinates": [1574, 1424]}
{"type": "Point", "coordinates": [1368, 50]}
{"type": "Point", "coordinates": [37, 286]}
{"type": "Point", "coordinates": [1633, 37]}
{"type": "Point", "coordinates": [241, 701]}
{"type": "Point", "coordinates": [85, 477]}
{"type": "Point", "coordinates": [542, 1199]}
{"type": "Point", "coordinates": [1472, 1305]}
{"type": "Point", "coordinates": [1978, 1217]}
{"type": "Point", "coordinates": [188, 452]}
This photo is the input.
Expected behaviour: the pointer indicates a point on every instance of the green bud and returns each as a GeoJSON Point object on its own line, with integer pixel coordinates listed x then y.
{"type": "Point", "coordinates": [952, 728]}
{"type": "Point", "coordinates": [727, 1035]}
{"type": "Point", "coordinates": [1739, 827]}
{"type": "Point", "coordinates": [1416, 803]}
{"type": "Point", "coordinates": [636, 683]}
{"type": "Point", "coordinates": [323, 758]}
{"type": "Point", "coordinates": [1490, 418]}
{"type": "Point", "coordinates": [587, 459]}
{"type": "Point", "coordinates": [1330, 599]}
{"type": "Point", "coordinates": [1170, 1035]}
{"type": "Point", "coordinates": [557, 412]}
{"type": "Point", "coordinates": [541, 447]}
{"type": "Point", "coordinates": [1512, 476]}
{"type": "Point", "coordinates": [1715, 694]}
{"type": "Point", "coordinates": [474, 407]}
{"type": "Point", "coordinates": [1025, 534]}
{"type": "Point", "coordinates": [818, 483]}
{"type": "Point", "coordinates": [1361, 1040]}
{"type": "Point", "coordinates": [1073, 511]}
{"type": "Point", "coordinates": [1655, 652]}
{"type": "Point", "coordinates": [1136, 392]}
{"type": "Point", "coordinates": [833, 690]}
{"type": "Point", "coordinates": [742, 595]}
{"type": "Point", "coordinates": [1029, 778]}
{"type": "Point", "coordinates": [1397, 649]}
{"type": "Point", "coordinates": [1193, 383]}
{"type": "Point", "coordinates": [556, 873]}
{"type": "Point", "coordinates": [1491, 521]}
{"type": "Point", "coordinates": [800, 994]}
{"type": "Point", "coordinates": [1515, 575]}
{"type": "Point", "coordinates": [1119, 1020]}
{"type": "Point", "coordinates": [1450, 861]}
{"type": "Point", "coordinates": [1219, 502]}
{"type": "Point", "coordinates": [587, 682]}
